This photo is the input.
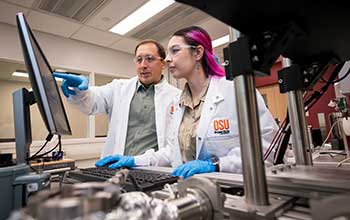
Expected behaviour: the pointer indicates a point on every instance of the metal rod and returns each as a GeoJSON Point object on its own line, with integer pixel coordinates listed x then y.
{"type": "Point", "coordinates": [254, 175]}
{"type": "Point", "coordinates": [301, 143]}
{"type": "Point", "coordinates": [249, 130]}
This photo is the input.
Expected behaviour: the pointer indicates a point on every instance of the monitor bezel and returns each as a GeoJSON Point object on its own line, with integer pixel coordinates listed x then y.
{"type": "Point", "coordinates": [26, 37]}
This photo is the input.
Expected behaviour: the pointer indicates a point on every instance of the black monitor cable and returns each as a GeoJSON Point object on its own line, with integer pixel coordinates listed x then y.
{"type": "Point", "coordinates": [59, 143]}
{"type": "Point", "coordinates": [37, 155]}
{"type": "Point", "coordinates": [46, 153]}
{"type": "Point", "coordinates": [48, 138]}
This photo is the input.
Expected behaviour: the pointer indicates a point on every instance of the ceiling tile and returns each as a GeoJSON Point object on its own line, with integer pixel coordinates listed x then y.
{"type": "Point", "coordinates": [8, 12]}
{"type": "Point", "coordinates": [94, 36]}
{"type": "Point", "coordinates": [113, 12]}
{"type": "Point", "coordinates": [24, 3]}
{"type": "Point", "coordinates": [52, 24]}
{"type": "Point", "coordinates": [167, 22]}
{"type": "Point", "coordinates": [215, 28]}
{"type": "Point", "coordinates": [125, 44]}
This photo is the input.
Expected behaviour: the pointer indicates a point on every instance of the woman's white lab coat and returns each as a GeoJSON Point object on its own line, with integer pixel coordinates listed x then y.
{"type": "Point", "coordinates": [217, 131]}
{"type": "Point", "coordinates": [114, 99]}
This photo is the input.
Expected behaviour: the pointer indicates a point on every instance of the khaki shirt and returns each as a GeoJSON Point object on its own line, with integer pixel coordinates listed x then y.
{"type": "Point", "coordinates": [190, 121]}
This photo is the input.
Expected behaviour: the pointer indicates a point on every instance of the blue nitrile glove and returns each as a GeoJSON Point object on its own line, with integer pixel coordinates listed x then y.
{"type": "Point", "coordinates": [193, 167]}
{"type": "Point", "coordinates": [116, 161]}
{"type": "Point", "coordinates": [71, 80]}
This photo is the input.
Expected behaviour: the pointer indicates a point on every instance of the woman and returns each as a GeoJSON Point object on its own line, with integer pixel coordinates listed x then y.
{"type": "Point", "coordinates": [205, 115]}
{"type": "Point", "coordinates": [202, 132]}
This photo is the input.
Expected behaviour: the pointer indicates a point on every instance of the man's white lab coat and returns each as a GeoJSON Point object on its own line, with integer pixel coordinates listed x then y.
{"type": "Point", "coordinates": [114, 99]}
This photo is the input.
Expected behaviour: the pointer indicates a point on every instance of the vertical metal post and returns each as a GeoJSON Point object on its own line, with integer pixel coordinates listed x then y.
{"type": "Point", "coordinates": [250, 137]}
{"type": "Point", "coordinates": [22, 100]}
{"type": "Point", "coordinates": [301, 143]}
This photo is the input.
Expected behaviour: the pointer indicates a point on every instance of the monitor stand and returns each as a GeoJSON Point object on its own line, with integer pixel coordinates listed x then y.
{"type": "Point", "coordinates": [16, 181]}
{"type": "Point", "coordinates": [22, 100]}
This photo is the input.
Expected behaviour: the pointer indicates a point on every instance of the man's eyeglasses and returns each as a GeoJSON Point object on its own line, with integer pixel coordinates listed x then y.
{"type": "Point", "coordinates": [174, 50]}
{"type": "Point", "coordinates": [148, 58]}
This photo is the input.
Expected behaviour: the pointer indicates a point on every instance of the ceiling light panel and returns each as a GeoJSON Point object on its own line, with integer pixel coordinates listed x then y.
{"type": "Point", "coordinates": [141, 15]}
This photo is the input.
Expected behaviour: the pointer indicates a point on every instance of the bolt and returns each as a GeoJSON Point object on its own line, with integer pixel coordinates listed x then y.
{"type": "Point", "coordinates": [267, 36]}
{"type": "Point", "coordinates": [255, 59]}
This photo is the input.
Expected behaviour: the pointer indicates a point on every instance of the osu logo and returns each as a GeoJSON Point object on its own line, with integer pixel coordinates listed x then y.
{"type": "Point", "coordinates": [221, 126]}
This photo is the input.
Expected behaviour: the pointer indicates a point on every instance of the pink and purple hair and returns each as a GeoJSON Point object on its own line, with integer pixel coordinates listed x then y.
{"type": "Point", "coordinates": [195, 36]}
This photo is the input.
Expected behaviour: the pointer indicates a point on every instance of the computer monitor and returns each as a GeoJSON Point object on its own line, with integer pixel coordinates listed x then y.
{"type": "Point", "coordinates": [45, 93]}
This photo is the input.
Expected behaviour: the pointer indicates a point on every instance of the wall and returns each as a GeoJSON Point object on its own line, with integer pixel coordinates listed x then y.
{"type": "Point", "coordinates": [101, 121]}
{"type": "Point", "coordinates": [66, 53]}
{"type": "Point", "coordinates": [322, 105]}
{"type": "Point", "coordinates": [71, 54]}
{"type": "Point", "coordinates": [77, 120]}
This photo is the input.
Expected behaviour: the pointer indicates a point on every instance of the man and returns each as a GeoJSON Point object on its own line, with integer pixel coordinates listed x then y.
{"type": "Point", "coordinates": [136, 106]}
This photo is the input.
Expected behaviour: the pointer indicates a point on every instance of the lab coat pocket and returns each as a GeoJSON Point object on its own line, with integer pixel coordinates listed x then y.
{"type": "Point", "coordinates": [221, 138]}
{"type": "Point", "coordinates": [218, 145]}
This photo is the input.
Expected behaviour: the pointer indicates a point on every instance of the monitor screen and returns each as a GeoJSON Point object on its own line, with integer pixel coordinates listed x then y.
{"type": "Point", "coordinates": [42, 81]}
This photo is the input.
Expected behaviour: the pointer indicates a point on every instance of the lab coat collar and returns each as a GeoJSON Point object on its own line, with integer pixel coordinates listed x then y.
{"type": "Point", "coordinates": [216, 95]}
{"type": "Point", "coordinates": [161, 84]}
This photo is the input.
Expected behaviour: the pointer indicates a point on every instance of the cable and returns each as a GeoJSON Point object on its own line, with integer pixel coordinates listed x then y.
{"type": "Point", "coordinates": [282, 142]}
{"type": "Point", "coordinates": [273, 142]}
{"type": "Point", "coordinates": [282, 146]}
{"type": "Point", "coordinates": [330, 131]}
{"type": "Point", "coordinates": [59, 141]}
{"type": "Point", "coordinates": [48, 138]}
{"type": "Point", "coordinates": [343, 161]}
{"type": "Point", "coordinates": [36, 153]}
{"type": "Point", "coordinates": [276, 142]}
{"type": "Point", "coordinates": [46, 153]}
{"type": "Point", "coordinates": [58, 144]}
{"type": "Point", "coordinates": [316, 96]}
{"type": "Point", "coordinates": [340, 79]}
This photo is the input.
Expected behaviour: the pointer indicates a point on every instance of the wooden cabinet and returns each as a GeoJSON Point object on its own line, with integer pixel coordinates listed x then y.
{"type": "Point", "coordinates": [275, 101]}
